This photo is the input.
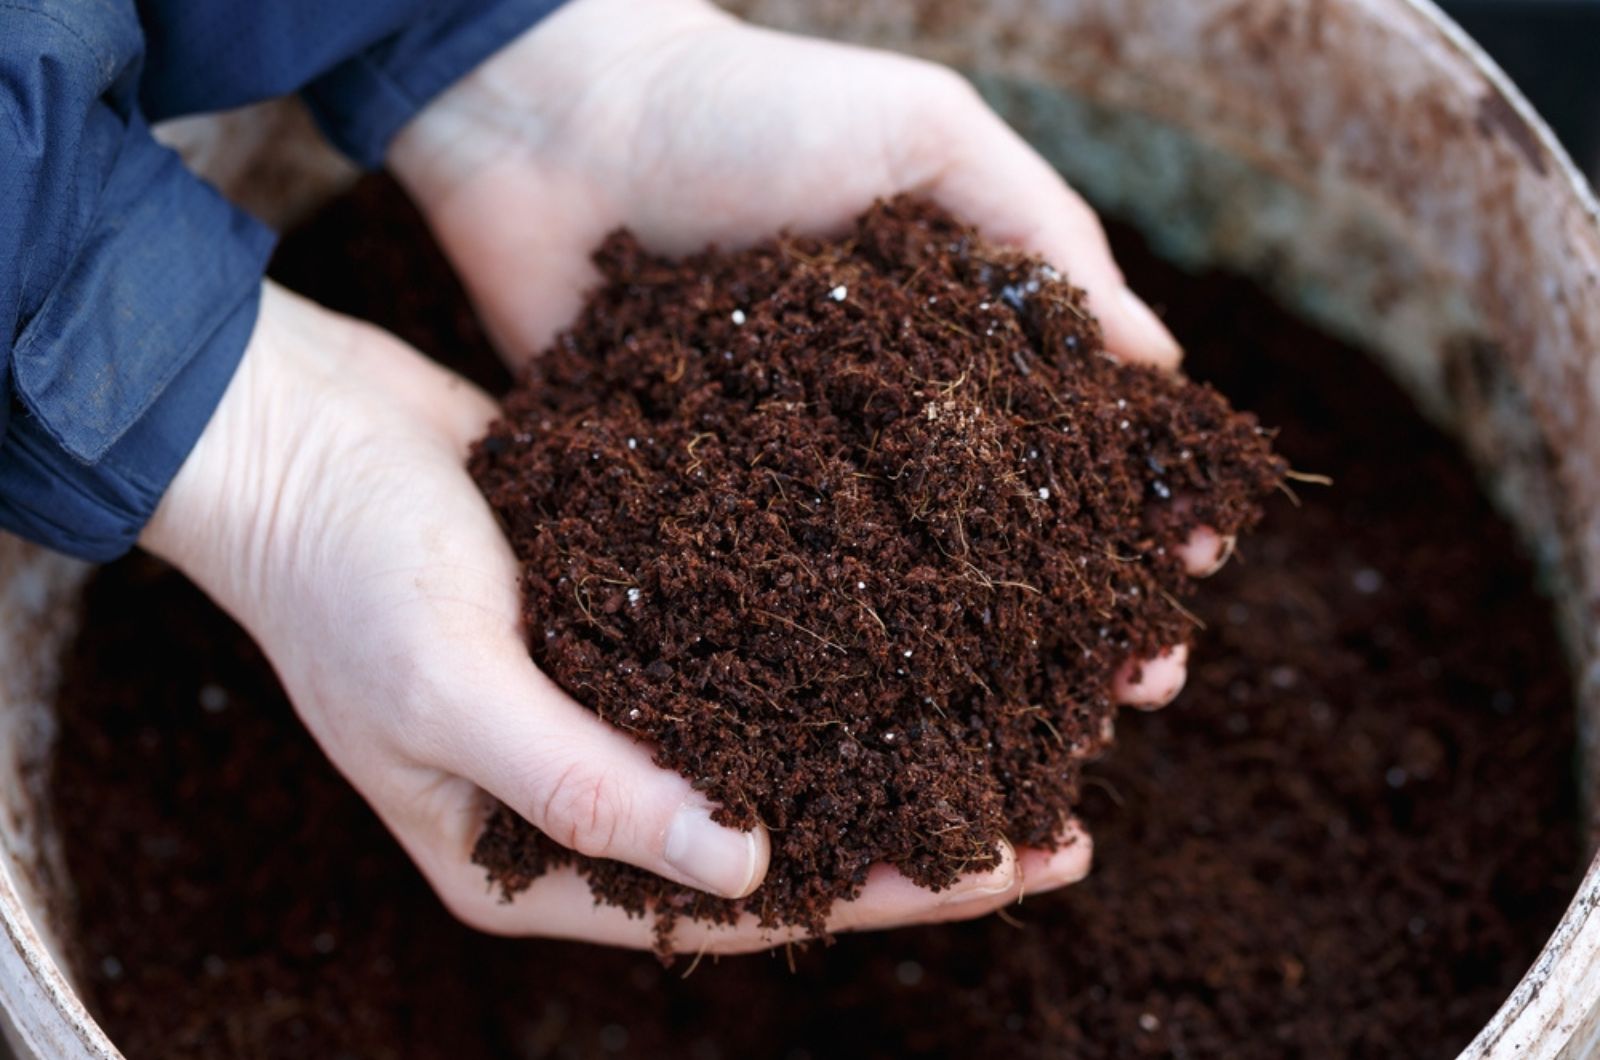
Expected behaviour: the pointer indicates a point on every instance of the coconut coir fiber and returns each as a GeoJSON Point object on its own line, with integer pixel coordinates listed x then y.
{"type": "Point", "coordinates": [1348, 837]}
{"type": "Point", "coordinates": [856, 533]}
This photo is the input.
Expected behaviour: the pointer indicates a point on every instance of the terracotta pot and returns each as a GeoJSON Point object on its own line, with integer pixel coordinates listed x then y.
{"type": "Point", "coordinates": [1360, 156]}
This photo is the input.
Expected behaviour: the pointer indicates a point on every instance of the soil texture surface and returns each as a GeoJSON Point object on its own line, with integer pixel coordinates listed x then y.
{"type": "Point", "coordinates": [1348, 837]}
{"type": "Point", "coordinates": [857, 534]}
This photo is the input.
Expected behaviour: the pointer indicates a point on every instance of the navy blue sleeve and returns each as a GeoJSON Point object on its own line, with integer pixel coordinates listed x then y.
{"type": "Point", "coordinates": [128, 287]}
{"type": "Point", "coordinates": [365, 66]}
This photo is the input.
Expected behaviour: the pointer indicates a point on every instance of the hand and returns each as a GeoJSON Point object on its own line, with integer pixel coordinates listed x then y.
{"type": "Point", "coordinates": [690, 127]}
{"type": "Point", "coordinates": [327, 508]}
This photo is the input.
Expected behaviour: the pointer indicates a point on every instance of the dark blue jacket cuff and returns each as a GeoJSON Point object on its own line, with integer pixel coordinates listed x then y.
{"type": "Point", "coordinates": [362, 103]}
{"type": "Point", "coordinates": [96, 511]}
{"type": "Point", "coordinates": [128, 287]}
{"type": "Point", "coordinates": [116, 374]}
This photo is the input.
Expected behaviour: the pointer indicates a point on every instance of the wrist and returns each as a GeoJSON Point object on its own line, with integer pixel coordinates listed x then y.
{"type": "Point", "coordinates": [218, 509]}
{"type": "Point", "coordinates": [320, 409]}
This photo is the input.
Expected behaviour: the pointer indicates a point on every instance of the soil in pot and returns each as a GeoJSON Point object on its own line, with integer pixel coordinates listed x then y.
{"type": "Point", "coordinates": [1349, 836]}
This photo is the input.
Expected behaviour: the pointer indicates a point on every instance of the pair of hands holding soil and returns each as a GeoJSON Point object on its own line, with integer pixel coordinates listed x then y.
{"type": "Point", "coordinates": [327, 506]}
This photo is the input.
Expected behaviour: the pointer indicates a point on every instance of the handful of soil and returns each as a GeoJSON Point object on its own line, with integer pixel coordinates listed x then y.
{"type": "Point", "coordinates": [856, 533]}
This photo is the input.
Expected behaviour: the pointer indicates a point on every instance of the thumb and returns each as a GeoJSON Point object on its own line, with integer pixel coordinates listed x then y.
{"type": "Point", "coordinates": [590, 787]}
{"type": "Point", "coordinates": [985, 173]}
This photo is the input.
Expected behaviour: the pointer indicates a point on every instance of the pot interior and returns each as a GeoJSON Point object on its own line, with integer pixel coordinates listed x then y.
{"type": "Point", "coordinates": [1406, 204]}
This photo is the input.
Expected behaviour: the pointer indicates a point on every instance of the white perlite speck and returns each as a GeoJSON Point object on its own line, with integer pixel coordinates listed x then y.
{"type": "Point", "coordinates": [738, 316]}
{"type": "Point", "coordinates": [634, 596]}
{"type": "Point", "coordinates": [838, 293]}
{"type": "Point", "coordinates": [1044, 493]}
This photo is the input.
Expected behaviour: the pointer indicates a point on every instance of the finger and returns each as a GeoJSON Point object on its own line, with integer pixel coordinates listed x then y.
{"type": "Point", "coordinates": [1047, 870]}
{"type": "Point", "coordinates": [1151, 683]}
{"type": "Point", "coordinates": [887, 900]}
{"type": "Point", "coordinates": [561, 905]}
{"type": "Point", "coordinates": [1205, 551]}
{"type": "Point", "coordinates": [588, 786]}
{"type": "Point", "coordinates": [890, 900]}
{"type": "Point", "coordinates": [549, 253]}
{"type": "Point", "coordinates": [456, 410]}
{"type": "Point", "coordinates": [988, 175]}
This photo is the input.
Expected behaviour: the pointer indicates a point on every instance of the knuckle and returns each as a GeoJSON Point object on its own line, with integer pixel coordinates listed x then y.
{"type": "Point", "coordinates": [945, 86]}
{"type": "Point", "coordinates": [583, 810]}
{"type": "Point", "coordinates": [941, 110]}
{"type": "Point", "coordinates": [950, 109]}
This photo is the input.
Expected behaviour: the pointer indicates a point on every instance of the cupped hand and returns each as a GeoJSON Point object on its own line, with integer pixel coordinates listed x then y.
{"type": "Point", "coordinates": [327, 508]}
{"type": "Point", "coordinates": [690, 127]}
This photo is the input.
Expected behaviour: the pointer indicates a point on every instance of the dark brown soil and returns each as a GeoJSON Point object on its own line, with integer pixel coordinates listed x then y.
{"type": "Point", "coordinates": [856, 534]}
{"type": "Point", "coordinates": [1348, 837]}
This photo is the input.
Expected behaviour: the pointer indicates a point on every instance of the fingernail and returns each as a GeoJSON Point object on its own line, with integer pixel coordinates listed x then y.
{"type": "Point", "coordinates": [709, 855]}
{"type": "Point", "coordinates": [1224, 552]}
{"type": "Point", "coordinates": [1147, 330]}
{"type": "Point", "coordinates": [1204, 551]}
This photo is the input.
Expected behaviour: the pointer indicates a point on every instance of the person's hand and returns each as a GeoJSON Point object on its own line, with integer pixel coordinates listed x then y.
{"type": "Point", "coordinates": [328, 508]}
{"type": "Point", "coordinates": [689, 127]}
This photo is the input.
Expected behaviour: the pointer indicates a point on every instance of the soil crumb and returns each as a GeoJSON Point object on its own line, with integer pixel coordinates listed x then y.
{"type": "Point", "coordinates": [1349, 836]}
{"type": "Point", "coordinates": [856, 534]}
